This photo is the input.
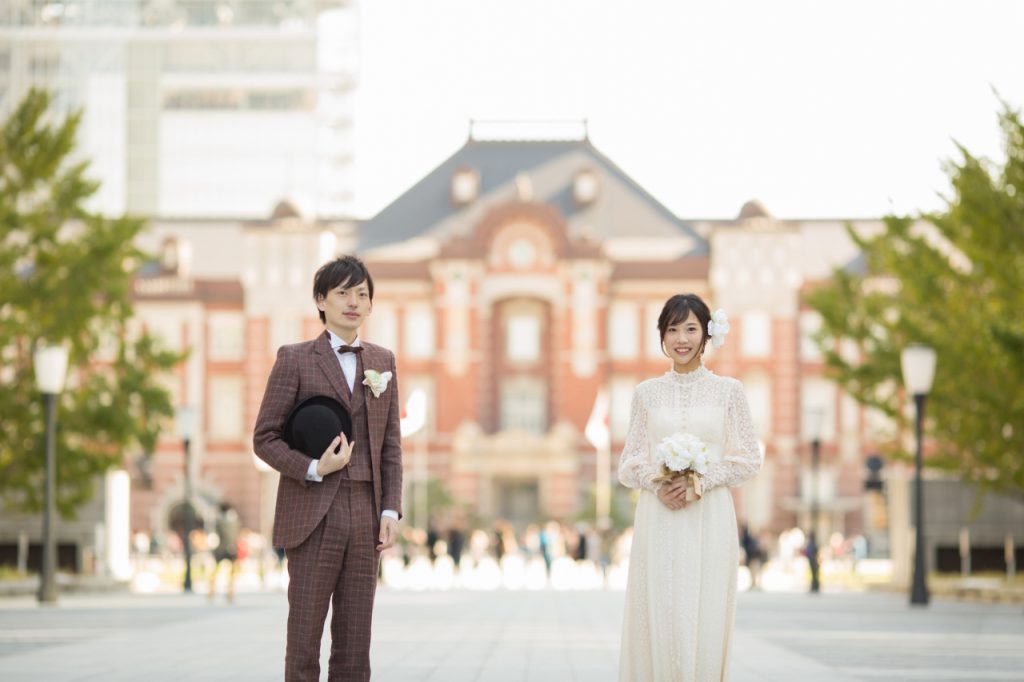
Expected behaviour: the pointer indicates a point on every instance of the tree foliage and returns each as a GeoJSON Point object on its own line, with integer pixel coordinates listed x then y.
{"type": "Point", "coordinates": [66, 276]}
{"type": "Point", "coordinates": [953, 280]}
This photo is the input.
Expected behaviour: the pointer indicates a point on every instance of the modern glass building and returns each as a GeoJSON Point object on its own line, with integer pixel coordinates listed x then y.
{"type": "Point", "coordinates": [197, 107]}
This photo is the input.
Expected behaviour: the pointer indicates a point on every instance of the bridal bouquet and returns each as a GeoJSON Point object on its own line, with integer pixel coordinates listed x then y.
{"type": "Point", "coordinates": [682, 454]}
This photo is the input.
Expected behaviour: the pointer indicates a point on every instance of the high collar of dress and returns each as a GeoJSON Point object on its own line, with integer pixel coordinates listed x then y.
{"type": "Point", "coordinates": [686, 378]}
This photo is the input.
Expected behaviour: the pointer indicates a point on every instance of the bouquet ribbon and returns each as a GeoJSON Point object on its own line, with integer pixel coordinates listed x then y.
{"type": "Point", "coordinates": [695, 489]}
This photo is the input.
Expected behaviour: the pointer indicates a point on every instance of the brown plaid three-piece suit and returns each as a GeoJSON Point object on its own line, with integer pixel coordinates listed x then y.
{"type": "Point", "coordinates": [330, 529]}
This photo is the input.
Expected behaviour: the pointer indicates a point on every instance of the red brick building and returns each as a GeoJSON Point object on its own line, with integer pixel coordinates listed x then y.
{"type": "Point", "coordinates": [514, 282]}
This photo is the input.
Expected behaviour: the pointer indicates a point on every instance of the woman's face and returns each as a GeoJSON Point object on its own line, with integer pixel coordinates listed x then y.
{"type": "Point", "coordinates": [683, 343]}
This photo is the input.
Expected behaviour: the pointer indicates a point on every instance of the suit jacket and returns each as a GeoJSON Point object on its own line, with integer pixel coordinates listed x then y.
{"type": "Point", "coordinates": [312, 368]}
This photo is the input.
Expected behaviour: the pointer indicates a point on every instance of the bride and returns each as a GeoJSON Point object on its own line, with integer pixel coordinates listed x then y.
{"type": "Point", "coordinates": [681, 594]}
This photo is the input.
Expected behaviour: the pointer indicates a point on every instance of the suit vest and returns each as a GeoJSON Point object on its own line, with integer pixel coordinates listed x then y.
{"type": "Point", "coordinates": [359, 467]}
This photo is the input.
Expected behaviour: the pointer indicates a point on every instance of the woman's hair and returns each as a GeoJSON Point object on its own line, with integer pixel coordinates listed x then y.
{"type": "Point", "coordinates": [347, 271]}
{"type": "Point", "coordinates": [677, 309]}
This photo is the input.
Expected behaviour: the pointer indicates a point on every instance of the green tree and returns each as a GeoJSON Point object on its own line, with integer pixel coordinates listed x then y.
{"type": "Point", "coordinates": [66, 276]}
{"type": "Point", "coordinates": [953, 280]}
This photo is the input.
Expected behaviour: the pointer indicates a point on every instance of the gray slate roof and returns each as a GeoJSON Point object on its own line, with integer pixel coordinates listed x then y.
{"type": "Point", "coordinates": [623, 208]}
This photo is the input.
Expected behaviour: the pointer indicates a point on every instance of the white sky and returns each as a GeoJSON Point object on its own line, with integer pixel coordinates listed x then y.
{"type": "Point", "coordinates": [817, 108]}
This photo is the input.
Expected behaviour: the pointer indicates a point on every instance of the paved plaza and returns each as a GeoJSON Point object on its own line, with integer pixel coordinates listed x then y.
{"type": "Point", "coordinates": [536, 635]}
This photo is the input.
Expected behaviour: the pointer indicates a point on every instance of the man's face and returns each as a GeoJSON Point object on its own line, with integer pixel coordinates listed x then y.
{"type": "Point", "coordinates": [345, 307]}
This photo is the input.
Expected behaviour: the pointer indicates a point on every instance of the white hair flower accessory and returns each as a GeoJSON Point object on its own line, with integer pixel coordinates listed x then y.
{"type": "Point", "coordinates": [718, 328]}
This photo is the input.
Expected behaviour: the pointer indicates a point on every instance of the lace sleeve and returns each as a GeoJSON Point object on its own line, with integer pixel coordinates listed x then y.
{"type": "Point", "coordinates": [635, 471]}
{"type": "Point", "coordinates": [742, 457]}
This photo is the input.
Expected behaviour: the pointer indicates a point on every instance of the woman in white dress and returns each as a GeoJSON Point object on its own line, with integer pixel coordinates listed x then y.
{"type": "Point", "coordinates": [681, 594]}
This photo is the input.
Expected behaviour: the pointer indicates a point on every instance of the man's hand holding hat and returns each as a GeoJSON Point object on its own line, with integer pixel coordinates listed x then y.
{"type": "Point", "coordinates": [332, 461]}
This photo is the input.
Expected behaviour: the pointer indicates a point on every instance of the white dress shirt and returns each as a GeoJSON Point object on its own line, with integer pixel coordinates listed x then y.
{"type": "Point", "coordinates": [348, 362]}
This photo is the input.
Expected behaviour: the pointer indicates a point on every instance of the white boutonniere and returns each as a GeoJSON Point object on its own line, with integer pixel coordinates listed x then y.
{"type": "Point", "coordinates": [718, 327]}
{"type": "Point", "coordinates": [376, 381]}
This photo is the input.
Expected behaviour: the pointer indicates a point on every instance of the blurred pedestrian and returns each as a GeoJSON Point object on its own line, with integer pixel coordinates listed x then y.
{"type": "Point", "coordinates": [581, 538]}
{"type": "Point", "coordinates": [228, 529]}
{"type": "Point", "coordinates": [456, 542]}
{"type": "Point", "coordinates": [753, 555]}
{"type": "Point", "coordinates": [544, 542]}
{"type": "Point", "coordinates": [432, 537]}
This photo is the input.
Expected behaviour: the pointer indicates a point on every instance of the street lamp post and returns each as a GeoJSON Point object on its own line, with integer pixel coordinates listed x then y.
{"type": "Point", "coordinates": [51, 364]}
{"type": "Point", "coordinates": [413, 419]}
{"type": "Point", "coordinates": [186, 430]}
{"type": "Point", "coordinates": [812, 542]}
{"type": "Point", "coordinates": [918, 365]}
{"type": "Point", "coordinates": [814, 417]}
{"type": "Point", "coordinates": [598, 433]}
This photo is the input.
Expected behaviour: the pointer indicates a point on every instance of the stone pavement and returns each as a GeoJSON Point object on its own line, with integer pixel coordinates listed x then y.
{"type": "Point", "coordinates": [499, 635]}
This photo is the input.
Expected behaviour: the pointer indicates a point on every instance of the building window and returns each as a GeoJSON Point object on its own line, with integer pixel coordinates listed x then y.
{"type": "Point", "coordinates": [619, 404]}
{"type": "Point", "coordinates": [652, 334]}
{"type": "Point", "coordinates": [167, 329]}
{"type": "Point", "coordinates": [623, 330]}
{"type": "Point", "coordinates": [810, 324]}
{"type": "Point", "coordinates": [522, 338]}
{"type": "Point", "coordinates": [226, 401]}
{"type": "Point", "coordinates": [850, 414]}
{"type": "Point", "coordinates": [585, 187]}
{"type": "Point", "coordinates": [759, 396]}
{"type": "Point", "coordinates": [465, 186]}
{"type": "Point", "coordinates": [227, 336]}
{"type": "Point", "coordinates": [382, 325]}
{"type": "Point", "coordinates": [818, 397]}
{"type": "Point", "coordinates": [284, 329]}
{"type": "Point", "coordinates": [237, 99]}
{"type": "Point", "coordinates": [418, 331]}
{"type": "Point", "coordinates": [756, 335]}
{"type": "Point", "coordinates": [524, 405]}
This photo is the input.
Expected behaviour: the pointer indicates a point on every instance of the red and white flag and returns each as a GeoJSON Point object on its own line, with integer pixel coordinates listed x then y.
{"type": "Point", "coordinates": [596, 430]}
{"type": "Point", "coordinates": [414, 416]}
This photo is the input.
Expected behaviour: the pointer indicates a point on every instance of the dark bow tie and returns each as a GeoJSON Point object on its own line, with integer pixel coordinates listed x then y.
{"type": "Point", "coordinates": [349, 349]}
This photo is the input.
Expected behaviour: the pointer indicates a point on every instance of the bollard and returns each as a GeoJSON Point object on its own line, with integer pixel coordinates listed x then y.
{"type": "Point", "coordinates": [1011, 557]}
{"type": "Point", "coordinates": [23, 552]}
{"type": "Point", "coordinates": [965, 552]}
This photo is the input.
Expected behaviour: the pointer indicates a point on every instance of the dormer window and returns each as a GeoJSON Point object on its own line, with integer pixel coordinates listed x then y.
{"type": "Point", "coordinates": [169, 255]}
{"type": "Point", "coordinates": [465, 186]}
{"type": "Point", "coordinates": [585, 187]}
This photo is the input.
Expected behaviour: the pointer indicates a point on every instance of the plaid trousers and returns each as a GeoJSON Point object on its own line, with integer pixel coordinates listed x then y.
{"type": "Point", "coordinates": [335, 566]}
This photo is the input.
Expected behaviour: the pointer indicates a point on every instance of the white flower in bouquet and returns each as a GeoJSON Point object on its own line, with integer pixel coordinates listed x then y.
{"type": "Point", "coordinates": [682, 454]}
{"type": "Point", "coordinates": [700, 462]}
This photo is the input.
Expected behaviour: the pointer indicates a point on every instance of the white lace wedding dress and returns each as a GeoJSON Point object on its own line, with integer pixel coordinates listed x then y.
{"type": "Point", "coordinates": [681, 594]}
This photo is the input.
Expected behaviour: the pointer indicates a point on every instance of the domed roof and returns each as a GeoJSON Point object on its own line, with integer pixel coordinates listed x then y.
{"type": "Point", "coordinates": [285, 209]}
{"type": "Point", "coordinates": [754, 209]}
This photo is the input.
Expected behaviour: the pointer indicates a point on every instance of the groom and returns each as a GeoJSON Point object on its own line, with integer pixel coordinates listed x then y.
{"type": "Point", "coordinates": [337, 513]}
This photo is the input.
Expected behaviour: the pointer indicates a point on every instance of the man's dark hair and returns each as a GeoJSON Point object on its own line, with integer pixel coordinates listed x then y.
{"type": "Point", "coordinates": [345, 272]}
{"type": "Point", "coordinates": [677, 309]}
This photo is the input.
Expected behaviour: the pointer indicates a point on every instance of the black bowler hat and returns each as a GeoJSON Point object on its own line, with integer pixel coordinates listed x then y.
{"type": "Point", "coordinates": [314, 422]}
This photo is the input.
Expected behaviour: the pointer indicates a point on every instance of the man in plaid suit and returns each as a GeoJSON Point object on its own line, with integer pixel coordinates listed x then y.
{"type": "Point", "coordinates": [337, 513]}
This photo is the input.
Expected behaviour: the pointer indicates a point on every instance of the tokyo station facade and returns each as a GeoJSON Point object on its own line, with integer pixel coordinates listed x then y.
{"type": "Point", "coordinates": [514, 282]}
